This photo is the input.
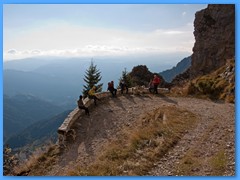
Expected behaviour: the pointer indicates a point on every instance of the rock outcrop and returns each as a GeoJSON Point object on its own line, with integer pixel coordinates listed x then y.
{"type": "Point", "coordinates": [215, 38]}
{"type": "Point", "coordinates": [214, 31]}
{"type": "Point", "coordinates": [140, 75]}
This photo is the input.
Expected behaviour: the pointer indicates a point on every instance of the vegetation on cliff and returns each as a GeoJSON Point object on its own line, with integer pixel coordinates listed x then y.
{"type": "Point", "coordinates": [218, 85]}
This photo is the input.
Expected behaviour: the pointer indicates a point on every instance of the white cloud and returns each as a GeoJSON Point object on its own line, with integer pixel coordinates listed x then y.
{"type": "Point", "coordinates": [174, 32]}
{"type": "Point", "coordinates": [184, 14]}
{"type": "Point", "coordinates": [72, 41]}
{"type": "Point", "coordinates": [12, 51]}
{"type": "Point", "coordinates": [35, 51]}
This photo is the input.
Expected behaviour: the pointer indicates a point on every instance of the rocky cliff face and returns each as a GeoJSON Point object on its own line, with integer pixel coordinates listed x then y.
{"type": "Point", "coordinates": [215, 38]}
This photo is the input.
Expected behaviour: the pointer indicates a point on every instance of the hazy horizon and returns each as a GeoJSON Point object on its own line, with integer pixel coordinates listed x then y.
{"type": "Point", "coordinates": [155, 63]}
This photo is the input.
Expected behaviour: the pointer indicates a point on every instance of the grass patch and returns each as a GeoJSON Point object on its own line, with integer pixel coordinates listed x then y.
{"type": "Point", "coordinates": [189, 164]}
{"type": "Point", "coordinates": [219, 84]}
{"type": "Point", "coordinates": [135, 152]}
{"type": "Point", "coordinates": [39, 163]}
{"type": "Point", "coordinates": [218, 163]}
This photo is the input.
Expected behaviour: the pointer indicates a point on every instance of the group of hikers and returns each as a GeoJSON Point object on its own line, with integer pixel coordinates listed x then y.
{"type": "Point", "coordinates": [153, 85]}
{"type": "Point", "coordinates": [113, 91]}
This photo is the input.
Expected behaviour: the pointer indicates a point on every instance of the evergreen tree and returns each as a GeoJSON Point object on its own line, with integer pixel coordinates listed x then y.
{"type": "Point", "coordinates": [126, 78]}
{"type": "Point", "coordinates": [92, 78]}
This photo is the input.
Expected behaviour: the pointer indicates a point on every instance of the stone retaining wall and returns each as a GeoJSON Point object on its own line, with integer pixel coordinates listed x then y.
{"type": "Point", "coordinates": [65, 128]}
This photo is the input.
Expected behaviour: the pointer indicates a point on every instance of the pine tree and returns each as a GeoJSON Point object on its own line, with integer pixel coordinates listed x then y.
{"type": "Point", "coordinates": [92, 78]}
{"type": "Point", "coordinates": [126, 78]}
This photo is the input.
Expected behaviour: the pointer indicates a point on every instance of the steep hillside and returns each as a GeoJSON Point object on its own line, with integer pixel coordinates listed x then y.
{"type": "Point", "coordinates": [218, 85]}
{"type": "Point", "coordinates": [182, 66]}
{"type": "Point", "coordinates": [45, 86]}
{"type": "Point", "coordinates": [23, 110]}
{"type": "Point", "coordinates": [38, 132]}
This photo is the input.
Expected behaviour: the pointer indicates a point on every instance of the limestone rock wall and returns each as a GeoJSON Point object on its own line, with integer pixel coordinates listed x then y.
{"type": "Point", "coordinates": [214, 38]}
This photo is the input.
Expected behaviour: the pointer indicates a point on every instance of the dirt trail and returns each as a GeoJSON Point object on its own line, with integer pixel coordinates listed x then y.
{"type": "Point", "coordinates": [216, 129]}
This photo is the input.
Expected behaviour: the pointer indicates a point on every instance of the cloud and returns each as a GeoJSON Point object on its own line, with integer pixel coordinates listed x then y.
{"type": "Point", "coordinates": [35, 51]}
{"type": "Point", "coordinates": [184, 14]}
{"type": "Point", "coordinates": [76, 41]}
{"type": "Point", "coordinates": [12, 51]}
{"type": "Point", "coordinates": [161, 32]}
{"type": "Point", "coordinates": [174, 32]}
{"type": "Point", "coordinates": [94, 51]}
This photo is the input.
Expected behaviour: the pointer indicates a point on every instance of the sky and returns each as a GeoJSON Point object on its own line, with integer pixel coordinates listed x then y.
{"type": "Point", "coordinates": [97, 30]}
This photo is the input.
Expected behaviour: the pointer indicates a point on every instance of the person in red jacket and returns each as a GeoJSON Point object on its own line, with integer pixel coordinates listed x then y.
{"type": "Point", "coordinates": [156, 82]}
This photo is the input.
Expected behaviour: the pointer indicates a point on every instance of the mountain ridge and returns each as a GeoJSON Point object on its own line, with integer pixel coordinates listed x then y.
{"type": "Point", "coordinates": [22, 110]}
{"type": "Point", "coordinates": [181, 66]}
{"type": "Point", "coordinates": [38, 131]}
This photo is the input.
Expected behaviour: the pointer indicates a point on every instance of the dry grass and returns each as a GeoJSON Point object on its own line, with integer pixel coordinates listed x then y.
{"type": "Point", "coordinates": [189, 164]}
{"type": "Point", "coordinates": [218, 163]}
{"type": "Point", "coordinates": [39, 163]}
{"type": "Point", "coordinates": [216, 85]}
{"type": "Point", "coordinates": [192, 164]}
{"type": "Point", "coordinates": [137, 149]}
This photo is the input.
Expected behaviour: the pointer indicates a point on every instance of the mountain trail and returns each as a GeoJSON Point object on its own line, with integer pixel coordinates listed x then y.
{"type": "Point", "coordinates": [215, 130]}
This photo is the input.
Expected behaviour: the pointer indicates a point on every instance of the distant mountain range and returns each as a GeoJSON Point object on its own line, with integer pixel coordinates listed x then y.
{"type": "Point", "coordinates": [60, 81]}
{"type": "Point", "coordinates": [38, 132]}
{"type": "Point", "coordinates": [182, 66]}
{"type": "Point", "coordinates": [55, 89]}
{"type": "Point", "coordinates": [21, 111]}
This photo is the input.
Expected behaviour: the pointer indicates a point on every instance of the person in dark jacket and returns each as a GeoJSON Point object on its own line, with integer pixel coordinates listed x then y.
{"type": "Point", "coordinates": [82, 106]}
{"type": "Point", "coordinates": [112, 89]}
{"type": "Point", "coordinates": [123, 86]}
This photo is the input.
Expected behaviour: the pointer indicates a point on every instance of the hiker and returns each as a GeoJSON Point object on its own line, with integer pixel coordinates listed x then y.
{"type": "Point", "coordinates": [151, 86]}
{"type": "Point", "coordinates": [112, 89]}
{"type": "Point", "coordinates": [156, 82]}
{"type": "Point", "coordinates": [123, 86]}
{"type": "Point", "coordinates": [82, 106]}
{"type": "Point", "coordinates": [92, 94]}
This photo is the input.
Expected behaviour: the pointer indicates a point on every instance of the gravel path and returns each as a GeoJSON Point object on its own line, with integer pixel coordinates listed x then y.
{"type": "Point", "coordinates": [216, 129]}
